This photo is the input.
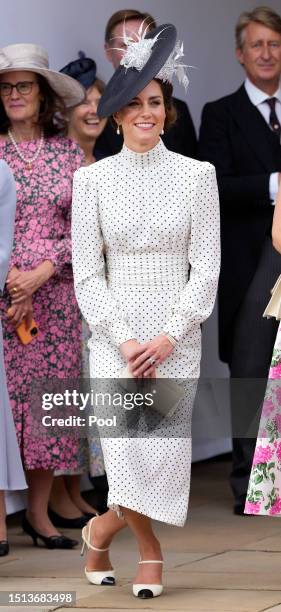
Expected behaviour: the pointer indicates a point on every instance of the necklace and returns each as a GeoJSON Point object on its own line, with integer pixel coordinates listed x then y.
{"type": "Point", "coordinates": [32, 159]}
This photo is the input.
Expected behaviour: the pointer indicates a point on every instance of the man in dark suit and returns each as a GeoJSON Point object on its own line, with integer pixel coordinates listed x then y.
{"type": "Point", "coordinates": [181, 137]}
{"type": "Point", "coordinates": [240, 135]}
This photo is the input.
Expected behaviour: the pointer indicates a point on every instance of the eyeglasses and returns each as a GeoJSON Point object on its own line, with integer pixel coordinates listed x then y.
{"type": "Point", "coordinates": [23, 88]}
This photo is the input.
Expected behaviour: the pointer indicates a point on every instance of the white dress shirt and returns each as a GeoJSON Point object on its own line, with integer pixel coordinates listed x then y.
{"type": "Point", "coordinates": [258, 98]}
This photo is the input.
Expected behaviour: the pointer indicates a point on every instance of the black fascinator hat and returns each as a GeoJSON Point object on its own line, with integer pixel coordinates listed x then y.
{"type": "Point", "coordinates": [84, 70]}
{"type": "Point", "coordinates": [149, 53]}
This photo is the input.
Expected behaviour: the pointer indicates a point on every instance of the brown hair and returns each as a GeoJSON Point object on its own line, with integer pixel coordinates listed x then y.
{"type": "Point", "coordinates": [99, 84]}
{"type": "Point", "coordinates": [126, 15]}
{"type": "Point", "coordinates": [64, 123]}
{"type": "Point", "coordinates": [261, 14]}
{"type": "Point", "coordinates": [171, 112]}
{"type": "Point", "coordinates": [51, 105]}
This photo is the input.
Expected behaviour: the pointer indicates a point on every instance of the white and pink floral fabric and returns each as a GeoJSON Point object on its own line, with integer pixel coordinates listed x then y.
{"type": "Point", "coordinates": [264, 491]}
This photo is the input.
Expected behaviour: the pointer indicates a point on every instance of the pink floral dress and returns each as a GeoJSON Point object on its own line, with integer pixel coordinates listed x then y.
{"type": "Point", "coordinates": [42, 232]}
{"type": "Point", "coordinates": [264, 490]}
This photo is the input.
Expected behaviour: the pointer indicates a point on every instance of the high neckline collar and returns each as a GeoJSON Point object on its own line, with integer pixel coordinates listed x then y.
{"type": "Point", "coordinates": [155, 155]}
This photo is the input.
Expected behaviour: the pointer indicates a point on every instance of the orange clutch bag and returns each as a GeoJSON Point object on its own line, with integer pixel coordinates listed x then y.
{"type": "Point", "coordinates": [26, 335]}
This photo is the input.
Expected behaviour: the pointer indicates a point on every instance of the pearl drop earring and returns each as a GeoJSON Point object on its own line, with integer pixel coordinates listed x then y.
{"type": "Point", "coordinates": [162, 132]}
{"type": "Point", "coordinates": [118, 130]}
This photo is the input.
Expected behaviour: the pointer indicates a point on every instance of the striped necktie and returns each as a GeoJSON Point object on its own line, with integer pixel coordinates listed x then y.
{"type": "Point", "coordinates": [273, 119]}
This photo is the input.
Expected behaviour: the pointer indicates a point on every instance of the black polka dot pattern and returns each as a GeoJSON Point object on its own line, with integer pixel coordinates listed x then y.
{"type": "Point", "coordinates": [156, 215]}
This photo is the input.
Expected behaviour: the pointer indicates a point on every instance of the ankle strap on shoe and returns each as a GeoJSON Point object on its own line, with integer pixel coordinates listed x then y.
{"type": "Point", "coordinates": [152, 561]}
{"type": "Point", "coordinates": [96, 549]}
{"type": "Point", "coordinates": [91, 546]}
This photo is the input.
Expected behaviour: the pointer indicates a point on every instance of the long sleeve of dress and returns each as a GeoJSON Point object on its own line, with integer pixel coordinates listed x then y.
{"type": "Point", "coordinates": [7, 216]}
{"type": "Point", "coordinates": [95, 300]}
{"type": "Point", "coordinates": [197, 299]}
{"type": "Point", "coordinates": [60, 250]}
{"type": "Point", "coordinates": [45, 229]}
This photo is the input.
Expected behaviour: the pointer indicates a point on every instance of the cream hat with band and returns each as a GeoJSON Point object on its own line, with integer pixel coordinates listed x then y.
{"type": "Point", "coordinates": [35, 59]}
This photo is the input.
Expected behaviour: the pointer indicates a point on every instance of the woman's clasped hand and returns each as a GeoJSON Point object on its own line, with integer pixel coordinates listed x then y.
{"type": "Point", "coordinates": [19, 312]}
{"type": "Point", "coordinates": [143, 359]}
{"type": "Point", "coordinates": [22, 284]}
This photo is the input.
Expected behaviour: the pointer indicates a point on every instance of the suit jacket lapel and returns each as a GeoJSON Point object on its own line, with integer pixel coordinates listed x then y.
{"type": "Point", "coordinates": [255, 129]}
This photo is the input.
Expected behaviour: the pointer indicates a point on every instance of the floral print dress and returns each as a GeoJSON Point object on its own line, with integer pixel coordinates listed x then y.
{"type": "Point", "coordinates": [42, 232]}
{"type": "Point", "coordinates": [264, 490]}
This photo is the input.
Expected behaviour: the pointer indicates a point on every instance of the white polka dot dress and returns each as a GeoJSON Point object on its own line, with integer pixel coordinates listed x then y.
{"type": "Point", "coordinates": [156, 215]}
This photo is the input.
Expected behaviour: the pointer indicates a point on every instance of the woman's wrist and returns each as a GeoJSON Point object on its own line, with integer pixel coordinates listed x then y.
{"type": "Point", "coordinates": [170, 338]}
{"type": "Point", "coordinates": [45, 270]}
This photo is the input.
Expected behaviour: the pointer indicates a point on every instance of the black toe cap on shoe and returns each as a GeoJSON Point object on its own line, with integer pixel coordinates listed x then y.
{"type": "Point", "coordinates": [109, 580]}
{"type": "Point", "coordinates": [145, 594]}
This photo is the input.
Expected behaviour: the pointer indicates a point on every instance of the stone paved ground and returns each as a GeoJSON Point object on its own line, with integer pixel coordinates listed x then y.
{"type": "Point", "coordinates": [218, 563]}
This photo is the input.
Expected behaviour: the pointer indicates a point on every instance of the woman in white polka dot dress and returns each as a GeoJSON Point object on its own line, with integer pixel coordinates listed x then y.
{"type": "Point", "coordinates": [155, 214]}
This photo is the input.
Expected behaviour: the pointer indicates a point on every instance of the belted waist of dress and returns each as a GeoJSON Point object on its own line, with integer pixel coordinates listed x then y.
{"type": "Point", "coordinates": [163, 270]}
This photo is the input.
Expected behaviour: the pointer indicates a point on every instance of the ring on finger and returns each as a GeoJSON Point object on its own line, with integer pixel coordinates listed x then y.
{"type": "Point", "coordinates": [14, 290]}
{"type": "Point", "coordinates": [151, 360]}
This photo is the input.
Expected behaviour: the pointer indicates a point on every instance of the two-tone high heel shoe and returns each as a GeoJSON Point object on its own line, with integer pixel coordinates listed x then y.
{"type": "Point", "coordinates": [104, 577]}
{"type": "Point", "coordinates": [147, 591]}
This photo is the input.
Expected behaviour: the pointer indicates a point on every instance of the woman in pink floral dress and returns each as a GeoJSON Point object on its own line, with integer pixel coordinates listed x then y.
{"type": "Point", "coordinates": [264, 490]}
{"type": "Point", "coordinates": [40, 282]}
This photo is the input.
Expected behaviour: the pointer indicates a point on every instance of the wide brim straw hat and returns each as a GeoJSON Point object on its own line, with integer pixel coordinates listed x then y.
{"type": "Point", "coordinates": [126, 83]}
{"type": "Point", "coordinates": [33, 58]}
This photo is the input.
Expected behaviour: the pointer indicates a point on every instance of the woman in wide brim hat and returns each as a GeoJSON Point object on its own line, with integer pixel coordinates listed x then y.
{"type": "Point", "coordinates": [40, 282]}
{"type": "Point", "coordinates": [156, 214]}
{"type": "Point", "coordinates": [33, 58]}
